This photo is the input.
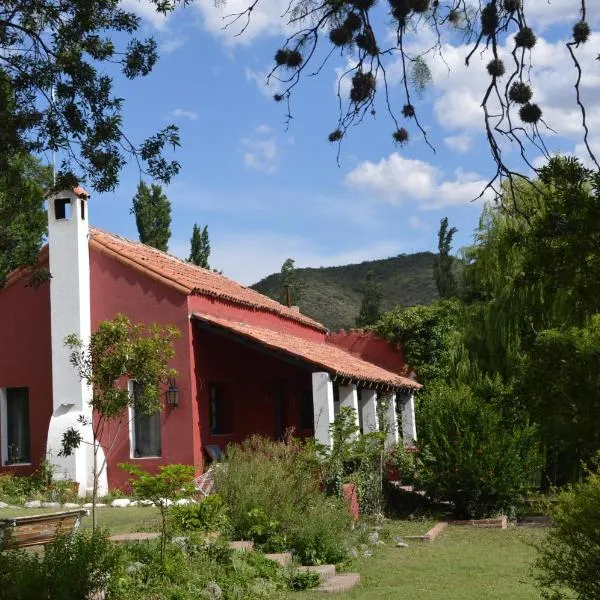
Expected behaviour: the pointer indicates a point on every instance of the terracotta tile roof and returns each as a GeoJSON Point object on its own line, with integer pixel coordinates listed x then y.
{"type": "Point", "coordinates": [321, 354]}
{"type": "Point", "coordinates": [188, 278]}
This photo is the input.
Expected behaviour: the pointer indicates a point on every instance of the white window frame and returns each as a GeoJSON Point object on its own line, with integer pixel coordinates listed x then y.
{"type": "Point", "coordinates": [4, 433]}
{"type": "Point", "coordinates": [131, 417]}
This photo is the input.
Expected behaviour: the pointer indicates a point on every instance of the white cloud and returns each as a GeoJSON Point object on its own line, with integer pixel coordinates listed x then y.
{"type": "Point", "coordinates": [550, 12]}
{"type": "Point", "coordinates": [459, 143]}
{"type": "Point", "coordinates": [266, 19]}
{"type": "Point", "coordinates": [173, 44]}
{"type": "Point", "coordinates": [260, 150]}
{"type": "Point", "coordinates": [181, 113]}
{"type": "Point", "coordinates": [267, 88]}
{"type": "Point", "coordinates": [415, 223]}
{"type": "Point", "coordinates": [146, 10]}
{"type": "Point", "coordinates": [398, 180]}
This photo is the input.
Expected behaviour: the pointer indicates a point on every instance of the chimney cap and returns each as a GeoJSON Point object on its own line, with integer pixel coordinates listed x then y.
{"type": "Point", "coordinates": [294, 308]}
{"type": "Point", "coordinates": [77, 190]}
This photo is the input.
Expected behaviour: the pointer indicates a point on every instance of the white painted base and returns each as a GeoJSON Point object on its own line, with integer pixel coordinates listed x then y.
{"type": "Point", "coordinates": [349, 399]}
{"type": "Point", "coordinates": [393, 435]}
{"type": "Point", "coordinates": [322, 389]}
{"type": "Point", "coordinates": [370, 420]}
{"type": "Point", "coordinates": [79, 466]}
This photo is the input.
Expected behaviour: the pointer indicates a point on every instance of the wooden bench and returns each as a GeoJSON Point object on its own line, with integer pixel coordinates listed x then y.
{"type": "Point", "coordinates": [20, 532]}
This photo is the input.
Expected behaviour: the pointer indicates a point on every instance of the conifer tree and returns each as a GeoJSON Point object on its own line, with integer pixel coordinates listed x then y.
{"type": "Point", "coordinates": [444, 263]}
{"type": "Point", "coordinates": [200, 247]}
{"type": "Point", "coordinates": [370, 307]}
{"type": "Point", "coordinates": [152, 210]}
{"type": "Point", "coordinates": [290, 287]}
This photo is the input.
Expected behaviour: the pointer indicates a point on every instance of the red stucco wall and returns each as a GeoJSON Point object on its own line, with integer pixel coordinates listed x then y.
{"type": "Point", "coordinates": [370, 348]}
{"type": "Point", "coordinates": [25, 358]}
{"type": "Point", "coordinates": [115, 289]}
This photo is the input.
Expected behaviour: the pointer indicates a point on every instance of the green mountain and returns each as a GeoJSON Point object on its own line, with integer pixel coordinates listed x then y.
{"type": "Point", "coordinates": [332, 295]}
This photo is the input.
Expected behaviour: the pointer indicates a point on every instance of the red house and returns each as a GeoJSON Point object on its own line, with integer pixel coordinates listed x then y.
{"type": "Point", "coordinates": [246, 364]}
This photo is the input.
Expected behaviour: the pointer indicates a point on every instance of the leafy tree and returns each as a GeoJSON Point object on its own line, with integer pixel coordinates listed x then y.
{"type": "Point", "coordinates": [370, 307]}
{"type": "Point", "coordinates": [360, 31]}
{"type": "Point", "coordinates": [444, 264]}
{"type": "Point", "coordinates": [56, 93]}
{"type": "Point", "coordinates": [290, 285]}
{"type": "Point", "coordinates": [152, 210]}
{"type": "Point", "coordinates": [200, 247]}
{"type": "Point", "coordinates": [171, 483]}
{"type": "Point", "coordinates": [119, 349]}
{"type": "Point", "coordinates": [23, 221]}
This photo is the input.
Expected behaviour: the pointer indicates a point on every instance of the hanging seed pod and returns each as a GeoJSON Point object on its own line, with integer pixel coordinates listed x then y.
{"type": "Point", "coordinates": [335, 136]}
{"type": "Point", "coordinates": [520, 92]}
{"type": "Point", "coordinates": [281, 56]}
{"type": "Point", "coordinates": [511, 6]}
{"type": "Point", "coordinates": [294, 59]}
{"type": "Point", "coordinates": [419, 6]}
{"type": "Point", "coordinates": [363, 86]}
{"type": "Point", "coordinates": [530, 113]}
{"type": "Point", "coordinates": [362, 4]}
{"type": "Point", "coordinates": [340, 36]}
{"type": "Point", "coordinates": [366, 41]}
{"type": "Point", "coordinates": [525, 38]}
{"type": "Point", "coordinates": [400, 136]}
{"type": "Point", "coordinates": [581, 32]}
{"type": "Point", "coordinates": [489, 19]}
{"type": "Point", "coordinates": [453, 17]}
{"type": "Point", "coordinates": [353, 22]}
{"type": "Point", "coordinates": [408, 111]}
{"type": "Point", "coordinates": [400, 10]}
{"type": "Point", "coordinates": [278, 97]}
{"type": "Point", "coordinates": [496, 68]}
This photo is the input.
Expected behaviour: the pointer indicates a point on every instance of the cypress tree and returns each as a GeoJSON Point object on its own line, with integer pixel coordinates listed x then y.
{"type": "Point", "coordinates": [152, 210]}
{"type": "Point", "coordinates": [200, 247]}
{"type": "Point", "coordinates": [443, 263]}
{"type": "Point", "coordinates": [370, 307]}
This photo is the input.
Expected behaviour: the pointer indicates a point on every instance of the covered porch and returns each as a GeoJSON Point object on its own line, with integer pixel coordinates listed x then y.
{"type": "Point", "coordinates": [254, 380]}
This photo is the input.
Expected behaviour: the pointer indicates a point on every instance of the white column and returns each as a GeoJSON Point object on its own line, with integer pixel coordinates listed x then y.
{"type": "Point", "coordinates": [368, 400]}
{"type": "Point", "coordinates": [70, 312]}
{"type": "Point", "coordinates": [322, 388]}
{"type": "Point", "coordinates": [392, 421]}
{"type": "Point", "coordinates": [349, 399]}
{"type": "Point", "coordinates": [409, 426]}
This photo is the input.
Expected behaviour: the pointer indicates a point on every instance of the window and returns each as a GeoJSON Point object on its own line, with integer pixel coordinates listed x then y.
{"type": "Point", "coordinates": [307, 417]}
{"type": "Point", "coordinates": [145, 429]}
{"type": "Point", "coordinates": [62, 209]}
{"type": "Point", "coordinates": [219, 407]}
{"type": "Point", "coordinates": [15, 426]}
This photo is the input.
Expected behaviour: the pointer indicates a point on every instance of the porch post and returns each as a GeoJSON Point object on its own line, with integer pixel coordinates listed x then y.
{"type": "Point", "coordinates": [349, 399]}
{"type": "Point", "coordinates": [392, 421]}
{"type": "Point", "coordinates": [322, 390]}
{"type": "Point", "coordinates": [368, 400]}
{"type": "Point", "coordinates": [409, 427]}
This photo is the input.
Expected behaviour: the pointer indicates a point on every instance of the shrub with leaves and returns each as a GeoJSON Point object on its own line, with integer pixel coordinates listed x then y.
{"type": "Point", "coordinates": [569, 556]}
{"type": "Point", "coordinates": [469, 457]}
{"type": "Point", "coordinates": [209, 515]}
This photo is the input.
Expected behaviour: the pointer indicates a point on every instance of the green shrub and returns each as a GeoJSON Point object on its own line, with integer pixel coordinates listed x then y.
{"type": "Point", "coordinates": [72, 567]}
{"type": "Point", "coordinates": [209, 515]}
{"type": "Point", "coordinates": [569, 556]}
{"type": "Point", "coordinates": [302, 580]}
{"type": "Point", "coordinates": [272, 490]}
{"type": "Point", "coordinates": [470, 457]}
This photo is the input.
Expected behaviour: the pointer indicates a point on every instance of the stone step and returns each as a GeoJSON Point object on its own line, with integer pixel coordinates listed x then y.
{"type": "Point", "coordinates": [134, 537]}
{"type": "Point", "coordinates": [283, 558]}
{"type": "Point", "coordinates": [339, 583]}
{"type": "Point", "coordinates": [324, 572]}
{"type": "Point", "coordinates": [242, 545]}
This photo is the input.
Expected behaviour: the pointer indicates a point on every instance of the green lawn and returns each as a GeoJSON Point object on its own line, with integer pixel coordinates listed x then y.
{"type": "Point", "coordinates": [117, 520]}
{"type": "Point", "coordinates": [462, 564]}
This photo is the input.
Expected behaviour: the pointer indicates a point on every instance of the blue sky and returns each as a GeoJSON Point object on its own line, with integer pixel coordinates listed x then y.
{"type": "Point", "coordinates": [268, 193]}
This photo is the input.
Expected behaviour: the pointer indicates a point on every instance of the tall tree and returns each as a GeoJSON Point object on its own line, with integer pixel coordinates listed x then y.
{"type": "Point", "coordinates": [443, 265]}
{"type": "Point", "coordinates": [152, 211]}
{"type": "Point", "coordinates": [200, 247]}
{"type": "Point", "coordinates": [56, 93]}
{"type": "Point", "coordinates": [290, 285]}
{"type": "Point", "coordinates": [23, 221]}
{"type": "Point", "coordinates": [370, 307]}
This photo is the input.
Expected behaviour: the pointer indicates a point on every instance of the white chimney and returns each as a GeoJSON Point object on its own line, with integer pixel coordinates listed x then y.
{"type": "Point", "coordinates": [70, 313]}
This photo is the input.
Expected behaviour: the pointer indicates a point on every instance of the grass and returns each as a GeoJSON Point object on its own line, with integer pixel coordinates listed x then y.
{"type": "Point", "coordinates": [117, 520]}
{"type": "Point", "coordinates": [462, 564]}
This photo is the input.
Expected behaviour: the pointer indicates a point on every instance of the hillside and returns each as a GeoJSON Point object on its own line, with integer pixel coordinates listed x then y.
{"type": "Point", "coordinates": [332, 295]}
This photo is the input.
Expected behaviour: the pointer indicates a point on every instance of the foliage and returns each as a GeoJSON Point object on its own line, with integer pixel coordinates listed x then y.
{"type": "Point", "coordinates": [560, 384]}
{"type": "Point", "coordinates": [332, 295]}
{"type": "Point", "coordinates": [569, 555]}
{"type": "Point", "coordinates": [68, 49]}
{"type": "Point", "coordinates": [266, 533]}
{"type": "Point", "coordinates": [152, 210]}
{"type": "Point", "coordinates": [370, 305]}
{"type": "Point", "coordinates": [443, 267]}
{"type": "Point", "coordinates": [171, 483]}
{"type": "Point", "coordinates": [200, 247]}
{"type": "Point", "coordinates": [290, 285]}
{"type": "Point", "coordinates": [469, 457]}
{"type": "Point", "coordinates": [71, 568]}
{"type": "Point", "coordinates": [208, 515]}
{"type": "Point", "coordinates": [430, 337]}
{"type": "Point", "coordinates": [119, 349]}
{"type": "Point", "coordinates": [23, 220]}
{"type": "Point", "coordinates": [271, 494]}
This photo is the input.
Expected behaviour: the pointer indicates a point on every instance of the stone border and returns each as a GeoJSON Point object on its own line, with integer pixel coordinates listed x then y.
{"type": "Point", "coordinates": [117, 503]}
{"type": "Point", "coordinates": [498, 523]}
{"type": "Point", "coordinates": [431, 535]}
